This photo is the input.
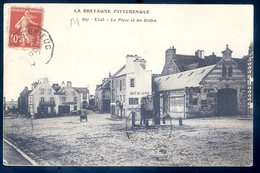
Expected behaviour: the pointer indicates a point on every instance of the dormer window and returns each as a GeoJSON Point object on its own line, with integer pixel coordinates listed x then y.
{"type": "Point", "coordinates": [132, 82]}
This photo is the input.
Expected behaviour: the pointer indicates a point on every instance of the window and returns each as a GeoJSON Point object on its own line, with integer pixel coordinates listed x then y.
{"type": "Point", "coordinates": [63, 99]}
{"type": "Point", "coordinates": [123, 83]}
{"type": "Point", "coordinates": [75, 108]}
{"type": "Point", "coordinates": [75, 99]}
{"type": "Point", "coordinates": [30, 99]}
{"type": "Point", "coordinates": [84, 96]}
{"type": "Point", "coordinates": [120, 85]}
{"type": "Point", "coordinates": [230, 71]}
{"type": "Point", "coordinates": [224, 70]}
{"type": "Point", "coordinates": [123, 98]}
{"type": "Point", "coordinates": [133, 101]}
{"type": "Point", "coordinates": [42, 99]}
{"type": "Point", "coordinates": [42, 91]}
{"type": "Point", "coordinates": [132, 82]}
{"type": "Point", "coordinates": [73, 92]}
{"type": "Point", "coordinates": [49, 91]}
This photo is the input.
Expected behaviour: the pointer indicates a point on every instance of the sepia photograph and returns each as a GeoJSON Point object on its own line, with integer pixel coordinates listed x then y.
{"type": "Point", "coordinates": [162, 85]}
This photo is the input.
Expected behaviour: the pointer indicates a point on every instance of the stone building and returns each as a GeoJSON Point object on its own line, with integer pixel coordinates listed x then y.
{"type": "Point", "coordinates": [250, 78]}
{"type": "Point", "coordinates": [128, 85]}
{"type": "Point", "coordinates": [68, 99]}
{"type": "Point", "coordinates": [11, 106]}
{"type": "Point", "coordinates": [42, 98]}
{"type": "Point", "coordinates": [23, 101]}
{"type": "Point", "coordinates": [84, 96]}
{"type": "Point", "coordinates": [46, 99]}
{"type": "Point", "coordinates": [123, 90]}
{"type": "Point", "coordinates": [102, 96]}
{"type": "Point", "coordinates": [203, 86]}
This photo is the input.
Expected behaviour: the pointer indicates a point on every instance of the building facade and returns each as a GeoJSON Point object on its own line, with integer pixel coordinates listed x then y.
{"type": "Point", "coordinates": [46, 99]}
{"type": "Point", "coordinates": [129, 84]}
{"type": "Point", "coordinates": [218, 89]}
{"type": "Point", "coordinates": [102, 96]}
{"type": "Point", "coordinates": [83, 96]}
{"type": "Point", "coordinates": [68, 99]}
{"type": "Point", "coordinates": [23, 101]}
{"type": "Point", "coordinates": [250, 78]}
{"type": "Point", "coordinates": [42, 98]}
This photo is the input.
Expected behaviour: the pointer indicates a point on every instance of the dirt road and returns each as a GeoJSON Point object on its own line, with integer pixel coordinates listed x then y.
{"type": "Point", "coordinates": [219, 141]}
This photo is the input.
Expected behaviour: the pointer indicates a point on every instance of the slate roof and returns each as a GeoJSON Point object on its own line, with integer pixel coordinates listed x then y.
{"type": "Point", "coordinates": [190, 78]}
{"type": "Point", "coordinates": [81, 89]}
{"type": "Point", "coordinates": [189, 62]}
{"type": "Point", "coordinates": [25, 93]}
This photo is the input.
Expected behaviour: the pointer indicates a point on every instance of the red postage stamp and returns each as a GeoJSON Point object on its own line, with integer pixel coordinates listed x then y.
{"type": "Point", "coordinates": [22, 32]}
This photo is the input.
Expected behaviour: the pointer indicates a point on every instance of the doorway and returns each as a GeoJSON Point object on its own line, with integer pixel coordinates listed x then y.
{"type": "Point", "coordinates": [227, 101]}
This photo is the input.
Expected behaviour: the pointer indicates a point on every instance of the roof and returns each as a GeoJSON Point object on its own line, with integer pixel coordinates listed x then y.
{"type": "Point", "coordinates": [190, 78]}
{"type": "Point", "coordinates": [40, 84]}
{"type": "Point", "coordinates": [81, 89]}
{"type": "Point", "coordinates": [119, 72]}
{"type": "Point", "coordinates": [25, 93]}
{"type": "Point", "coordinates": [189, 62]}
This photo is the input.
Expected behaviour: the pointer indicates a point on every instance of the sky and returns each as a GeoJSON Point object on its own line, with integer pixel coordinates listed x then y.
{"type": "Point", "coordinates": [86, 53]}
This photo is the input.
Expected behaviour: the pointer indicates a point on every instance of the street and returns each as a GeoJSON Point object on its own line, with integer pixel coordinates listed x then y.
{"type": "Point", "coordinates": [215, 141]}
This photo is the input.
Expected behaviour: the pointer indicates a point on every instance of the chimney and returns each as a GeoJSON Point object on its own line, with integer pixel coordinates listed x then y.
{"type": "Point", "coordinates": [26, 88]}
{"type": "Point", "coordinates": [197, 53]}
{"type": "Point", "coordinates": [69, 84]}
{"type": "Point", "coordinates": [34, 85]}
{"type": "Point", "coordinates": [130, 62]}
{"type": "Point", "coordinates": [202, 54]}
{"type": "Point", "coordinates": [170, 54]}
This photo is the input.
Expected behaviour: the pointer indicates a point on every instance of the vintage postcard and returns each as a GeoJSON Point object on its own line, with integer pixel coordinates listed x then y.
{"type": "Point", "coordinates": [128, 85]}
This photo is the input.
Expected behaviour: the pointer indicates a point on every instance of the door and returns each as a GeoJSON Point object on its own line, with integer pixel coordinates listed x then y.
{"type": "Point", "coordinates": [227, 101]}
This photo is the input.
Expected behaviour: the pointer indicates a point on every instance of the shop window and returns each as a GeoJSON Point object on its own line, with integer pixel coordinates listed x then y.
{"type": "Point", "coordinates": [133, 101]}
{"type": "Point", "coordinates": [224, 70]}
{"type": "Point", "coordinates": [230, 71]}
{"type": "Point", "coordinates": [132, 82]}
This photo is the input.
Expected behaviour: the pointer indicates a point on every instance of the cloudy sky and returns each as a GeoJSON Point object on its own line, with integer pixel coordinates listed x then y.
{"type": "Point", "coordinates": [86, 53]}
